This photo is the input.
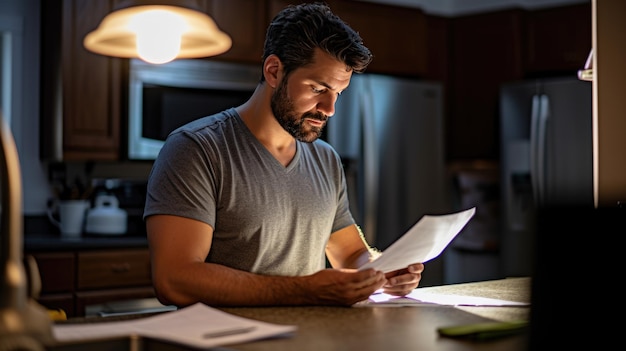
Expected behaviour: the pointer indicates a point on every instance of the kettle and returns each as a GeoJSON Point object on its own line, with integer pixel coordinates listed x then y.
{"type": "Point", "coordinates": [106, 217]}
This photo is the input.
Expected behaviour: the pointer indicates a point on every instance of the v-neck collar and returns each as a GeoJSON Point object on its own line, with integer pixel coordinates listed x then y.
{"type": "Point", "coordinates": [259, 146]}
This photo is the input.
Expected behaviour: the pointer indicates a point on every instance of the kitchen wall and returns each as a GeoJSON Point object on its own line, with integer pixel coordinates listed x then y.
{"type": "Point", "coordinates": [19, 21]}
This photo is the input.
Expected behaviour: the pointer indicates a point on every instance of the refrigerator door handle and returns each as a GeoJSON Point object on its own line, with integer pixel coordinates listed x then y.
{"type": "Point", "coordinates": [539, 119]}
{"type": "Point", "coordinates": [542, 149]}
{"type": "Point", "coordinates": [538, 146]}
{"type": "Point", "coordinates": [534, 143]}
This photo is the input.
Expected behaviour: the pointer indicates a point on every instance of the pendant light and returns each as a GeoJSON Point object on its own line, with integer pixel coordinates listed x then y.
{"type": "Point", "coordinates": [157, 32]}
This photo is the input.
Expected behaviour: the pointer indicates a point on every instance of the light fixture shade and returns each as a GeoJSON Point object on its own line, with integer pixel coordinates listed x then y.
{"type": "Point", "coordinates": [193, 33]}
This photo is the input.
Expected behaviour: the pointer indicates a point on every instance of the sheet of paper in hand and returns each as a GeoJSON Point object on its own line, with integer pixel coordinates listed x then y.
{"type": "Point", "coordinates": [423, 242]}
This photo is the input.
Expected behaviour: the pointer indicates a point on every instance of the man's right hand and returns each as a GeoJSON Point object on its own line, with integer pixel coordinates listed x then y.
{"type": "Point", "coordinates": [345, 286]}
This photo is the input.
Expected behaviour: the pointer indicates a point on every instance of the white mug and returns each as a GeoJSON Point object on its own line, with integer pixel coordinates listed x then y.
{"type": "Point", "coordinates": [71, 217]}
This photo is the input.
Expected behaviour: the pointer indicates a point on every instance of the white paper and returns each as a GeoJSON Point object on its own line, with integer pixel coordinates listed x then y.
{"type": "Point", "coordinates": [423, 242]}
{"type": "Point", "coordinates": [192, 326]}
{"type": "Point", "coordinates": [417, 297]}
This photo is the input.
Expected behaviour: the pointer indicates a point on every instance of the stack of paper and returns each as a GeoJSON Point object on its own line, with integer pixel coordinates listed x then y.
{"type": "Point", "coordinates": [198, 326]}
{"type": "Point", "coordinates": [417, 297]}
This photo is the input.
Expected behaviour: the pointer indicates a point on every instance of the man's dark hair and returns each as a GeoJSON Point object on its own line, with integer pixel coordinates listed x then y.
{"type": "Point", "coordinates": [295, 33]}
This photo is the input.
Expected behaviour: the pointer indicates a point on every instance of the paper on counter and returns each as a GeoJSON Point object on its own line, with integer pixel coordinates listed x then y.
{"type": "Point", "coordinates": [423, 242]}
{"type": "Point", "coordinates": [417, 297]}
{"type": "Point", "coordinates": [198, 325]}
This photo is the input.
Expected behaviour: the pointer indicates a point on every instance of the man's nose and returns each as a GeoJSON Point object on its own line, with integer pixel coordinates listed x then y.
{"type": "Point", "coordinates": [327, 105]}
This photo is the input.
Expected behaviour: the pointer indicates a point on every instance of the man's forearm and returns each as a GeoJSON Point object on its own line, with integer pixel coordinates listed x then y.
{"type": "Point", "coordinates": [218, 285]}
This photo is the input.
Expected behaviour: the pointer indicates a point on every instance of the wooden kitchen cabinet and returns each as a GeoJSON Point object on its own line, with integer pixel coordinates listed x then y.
{"type": "Point", "coordinates": [73, 280]}
{"type": "Point", "coordinates": [82, 91]}
{"type": "Point", "coordinates": [489, 49]}
{"type": "Point", "coordinates": [558, 40]}
{"type": "Point", "coordinates": [57, 271]}
{"type": "Point", "coordinates": [396, 35]}
{"type": "Point", "coordinates": [57, 274]}
{"type": "Point", "coordinates": [485, 51]}
{"type": "Point", "coordinates": [245, 21]}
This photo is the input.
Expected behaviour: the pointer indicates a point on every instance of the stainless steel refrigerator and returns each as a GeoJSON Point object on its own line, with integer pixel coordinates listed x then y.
{"type": "Point", "coordinates": [389, 132]}
{"type": "Point", "coordinates": [546, 158]}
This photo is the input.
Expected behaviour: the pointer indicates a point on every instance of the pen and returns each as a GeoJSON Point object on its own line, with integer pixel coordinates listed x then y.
{"type": "Point", "coordinates": [227, 332]}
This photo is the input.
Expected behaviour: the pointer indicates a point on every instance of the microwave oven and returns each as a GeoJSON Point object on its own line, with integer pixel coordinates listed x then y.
{"type": "Point", "coordinates": [163, 97]}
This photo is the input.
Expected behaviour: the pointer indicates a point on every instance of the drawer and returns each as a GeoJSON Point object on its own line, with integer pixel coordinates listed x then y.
{"type": "Point", "coordinates": [113, 269]}
{"type": "Point", "coordinates": [56, 271]}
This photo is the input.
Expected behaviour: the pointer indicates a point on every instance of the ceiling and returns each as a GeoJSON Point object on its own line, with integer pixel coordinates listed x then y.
{"type": "Point", "coordinates": [451, 8]}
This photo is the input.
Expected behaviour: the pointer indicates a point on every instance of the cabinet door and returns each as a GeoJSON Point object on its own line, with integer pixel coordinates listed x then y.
{"type": "Point", "coordinates": [396, 35]}
{"type": "Point", "coordinates": [245, 21]}
{"type": "Point", "coordinates": [485, 52]}
{"type": "Point", "coordinates": [91, 87]}
{"type": "Point", "coordinates": [57, 276]}
{"type": "Point", "coordinates": [558, 39]}
{"type": "Point", "coordinates": [56, 271]}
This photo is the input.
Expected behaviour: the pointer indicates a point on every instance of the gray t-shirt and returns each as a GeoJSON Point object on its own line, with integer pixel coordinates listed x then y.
{"type": "Point", "coordinates": [267, 218]}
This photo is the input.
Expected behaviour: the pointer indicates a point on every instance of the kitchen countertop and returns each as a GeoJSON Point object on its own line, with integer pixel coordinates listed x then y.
{"type": "Point", "coordinates": [383, 328]}
{"type": "Point", "coordinates": [395, 328]}
{"type": "Point", "coordinates": [51, 242]}
{"type": "Point", "coordinates": [40, 235]}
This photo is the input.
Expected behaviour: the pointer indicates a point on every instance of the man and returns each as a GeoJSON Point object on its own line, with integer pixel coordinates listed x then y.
{"type": "Point", "coordinates": [244, 206]}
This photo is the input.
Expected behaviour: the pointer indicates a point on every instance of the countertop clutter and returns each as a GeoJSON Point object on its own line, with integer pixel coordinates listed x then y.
{"type": "Point", "coordinates": [365, 328]}
{"type": "Point", "coordinates": [113, 219]}
{"type": "Point", "coordinates": [106, 217]}
{"type": "Point", "coordinates": [40, 235]}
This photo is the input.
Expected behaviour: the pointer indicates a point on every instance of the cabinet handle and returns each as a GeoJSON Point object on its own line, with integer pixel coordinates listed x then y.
{"type": "Point", "coordinates": [120, 268]}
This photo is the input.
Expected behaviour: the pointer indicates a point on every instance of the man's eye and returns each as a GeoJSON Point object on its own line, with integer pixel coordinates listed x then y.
{"type": "Point", "coordinates": [317, 91]}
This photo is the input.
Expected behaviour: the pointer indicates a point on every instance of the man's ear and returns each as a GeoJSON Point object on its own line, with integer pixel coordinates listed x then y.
{"type": "Point", "coordinates": [272, 70]}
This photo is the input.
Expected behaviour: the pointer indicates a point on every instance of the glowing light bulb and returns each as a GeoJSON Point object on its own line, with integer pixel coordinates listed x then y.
{"type": "Point", "coordinates": [158, 35]}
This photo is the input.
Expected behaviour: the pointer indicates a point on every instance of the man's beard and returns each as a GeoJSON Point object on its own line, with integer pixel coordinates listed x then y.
{"type": "Point", "coordinates": [283, 110]}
